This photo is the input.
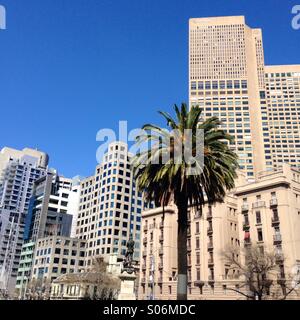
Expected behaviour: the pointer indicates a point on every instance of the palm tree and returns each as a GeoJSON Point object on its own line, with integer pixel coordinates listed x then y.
{"type": "Point", "coordinates": [163, 182]}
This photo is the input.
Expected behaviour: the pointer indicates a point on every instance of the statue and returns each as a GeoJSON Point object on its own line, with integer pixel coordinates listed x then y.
{"type": "Point", "coordinates": [127, 275]}
{"type": "Point", "coordinates": [127, 263]}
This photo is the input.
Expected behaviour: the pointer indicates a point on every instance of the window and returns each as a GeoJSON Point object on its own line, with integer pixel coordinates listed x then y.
{"type": "Point", "coordinates": [258, 217]}
{"type": "Point", "coordinates": [197, 243]}
{"type": "Point", "coordinates": [198, 274]}
{"type": "Point", "coordinates": [197, 258]}
{"type": "Point", "coordinates": [56, 260]}
{"type": "Point", "coordinates": [197, 227]}
{"type": "Point", "coordinates": [259, 235]}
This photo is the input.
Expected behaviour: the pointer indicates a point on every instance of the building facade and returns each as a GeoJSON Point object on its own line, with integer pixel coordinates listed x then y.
{"type": "Point", "coordinates": [225, 78]}
{"type": "Point", "coordinates": [263, 213]}
{"type": "Point", "coordinates": [85, 284]}
{"type": "Point", "coordinates": [270, 216]}
{"type": "Point", "coordinates": [283, 113]}
{"type": "Point", "coordinates": [53, 257]}
{"type": "Point", "coordinates": [52, 208]}
{"type": "Point", "coordinates": [20, 169]}
{"type": "Point", "coordinates": [210, 232]}
{"type": "Point", "coordinates": [110, 206]}
{"type": "Point", "coordinates": [257, 104]}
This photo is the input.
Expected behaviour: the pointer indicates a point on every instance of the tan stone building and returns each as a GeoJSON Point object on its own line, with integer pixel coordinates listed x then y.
{"type": "Point", "coordinates": [264, 213]}
{"type": "Point", "coordinates": [226, 74]}
{"type": "Point", "coordinates": [259, 105]}
{"type": "Point", "coordinates": [209, 234]}
{"type": "Point", "coordinates": [270, 215]}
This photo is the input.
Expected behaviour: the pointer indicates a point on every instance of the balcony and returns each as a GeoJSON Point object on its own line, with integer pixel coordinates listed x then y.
{"type": "Point", "coordinates": [161, 251]}
{"type": "Point", "coordinates": [246, 226]}
{"type": "Point", "coordinates": [210, 262]}
{"type": "Point", "coordinates": [144, 253]}
{"type": "Point", "coordinates": [275, 220]}
{"type": "Point", "coordinates": [144, 267]}
{"type": "Point", "coordinates": [209, 215]}
{"type": "Point", "coordinates": [198, 214]}
{"type": "Point", "coordinates": [188, 248]}
{"type": "Point", "coordinates": [273, 202]}
{"type": "Point", "coordinates": [211, 279]}
{"type": "Point", "coordinates": [145, 228]}
{"type": "Point", "coordinates": [161, 238]}
{"type": "Point", "coordinates": [210, 246]}
{"type": "Point", "coordinates": [245, 207]}
{"type": "Point", "coordinates": [230, 277]}
{"type": "Point", "coordinates": [160, 280]}
{"type": "Point", "coordinates": [199, 283]}
{"type": "Point", "coordinates": [247, 242]}
{"type": "Point", "coordinates": [161, 225]}
{"type": "Point", "coordinates": [279, 257]}
{"type": "Point", "coordinates": [144, 240]}
{"type": "Point", "coordinates": [160, 266]}
{"type": "Point", "coordinates": [143, 280]}
{"type": "Point", "coordinates": [209, 230]}
{"type": "Point", "coordinates": [277, 239]}
{"type": "Point", "coordinates": [258, 204]}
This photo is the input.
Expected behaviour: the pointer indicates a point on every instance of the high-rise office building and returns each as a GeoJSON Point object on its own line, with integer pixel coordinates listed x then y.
{"type": "Point", "coordinates": [226, 74]}
{"type": "Point", "coordinates": [257, 104]}
{"type": "Point", "coordinates": [110, 206]}
{"type": "Point", "coordinates": [283, 113]}
{"type": "Point", "coordinates": [9, 154]}
{"type": "Point", "coordinates": [52, 208]}
{"type": "Point", "coordinates": [19, 171]}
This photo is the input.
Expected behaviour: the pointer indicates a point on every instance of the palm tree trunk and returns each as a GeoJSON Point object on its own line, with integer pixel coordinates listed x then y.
{"type": "Point", "coordinates": [182, 205]}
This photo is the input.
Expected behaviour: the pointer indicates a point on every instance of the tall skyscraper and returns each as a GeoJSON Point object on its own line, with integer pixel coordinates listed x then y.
{"type": "Point", "coordinates": [19, 171]}
{"type": "Point", "coordinates": [110, 206]}
{"type": "Point", "coordinates": [257, 104]}
{"type": "Point", "coordinates": [226, 75]}
{"type": "Point", "coordinates": [283, 113]}
{"type": "Point", "coordinates": [9, 154]}
{"type": "Point", "coordinates": [52, 208]}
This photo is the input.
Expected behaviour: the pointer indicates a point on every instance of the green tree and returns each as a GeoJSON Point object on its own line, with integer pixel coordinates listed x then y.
{"type": "Point", "coordinates": [163, 182]}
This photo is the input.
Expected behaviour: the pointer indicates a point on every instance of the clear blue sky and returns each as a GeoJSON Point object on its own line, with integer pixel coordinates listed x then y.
{"type": "Point", "coordinates": [71, 67]}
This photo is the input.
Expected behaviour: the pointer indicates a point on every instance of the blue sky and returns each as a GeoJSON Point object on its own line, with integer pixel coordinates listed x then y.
{"type": "Point", "coordinates": [71, 67]}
